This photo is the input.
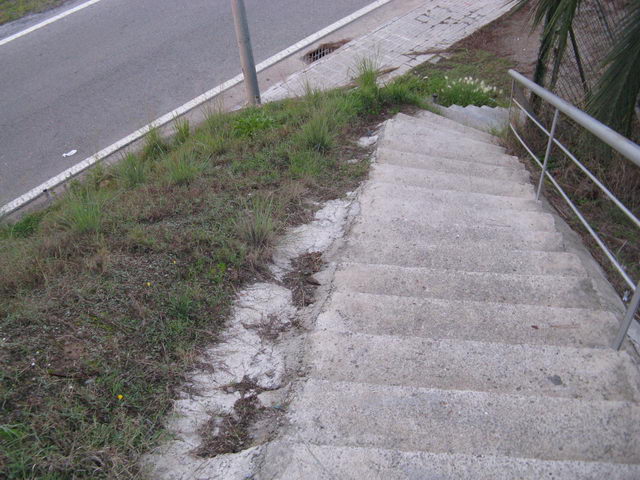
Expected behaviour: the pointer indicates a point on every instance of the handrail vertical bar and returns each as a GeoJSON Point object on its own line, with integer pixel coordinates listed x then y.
{"type": "Point", "coordinates": [628, 318]}
{"type": "Point", "coordinates": [513, 91]}
{"type": "Point", "coordinates": [552, 134]}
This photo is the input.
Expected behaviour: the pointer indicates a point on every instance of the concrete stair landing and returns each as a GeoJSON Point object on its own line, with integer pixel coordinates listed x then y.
{"type": "Point", "coordinates": [462, 338]}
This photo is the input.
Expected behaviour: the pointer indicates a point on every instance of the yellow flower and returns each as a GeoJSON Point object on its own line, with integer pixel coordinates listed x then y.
{"type": "Point", "coordinates": [174, 262]}
{"type": "Point", "coordinates": [148, 284]}
{"type": "Point", "coordinates": [120, 397]}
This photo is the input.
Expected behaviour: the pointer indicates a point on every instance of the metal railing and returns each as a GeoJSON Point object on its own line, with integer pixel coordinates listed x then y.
{"type": "Point", "coordinates": [622, 145]}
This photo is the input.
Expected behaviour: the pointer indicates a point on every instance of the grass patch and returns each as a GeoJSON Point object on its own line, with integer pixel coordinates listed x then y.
{"type": "Point", "coordinates": [131, 171]}
{"type": "Point", "coordinates": [14, 9]}
{"type": "Point", "coordinates": [108, 295]}
{"type": "Point", "coordinates": [467, 77]}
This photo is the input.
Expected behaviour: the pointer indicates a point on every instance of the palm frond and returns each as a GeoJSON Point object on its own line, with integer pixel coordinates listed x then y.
{"type": "Point", "coordinates": [616, 92]}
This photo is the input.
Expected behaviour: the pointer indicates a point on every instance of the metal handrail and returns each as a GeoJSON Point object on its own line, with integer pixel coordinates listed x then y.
{"type": "Point", "coordinates": [622, 145]}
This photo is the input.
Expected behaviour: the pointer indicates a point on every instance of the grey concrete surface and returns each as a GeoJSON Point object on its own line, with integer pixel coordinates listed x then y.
{"type": "Point", "coordinates": [548, 290]}
{"type": "Point", "coordinates": [461, 319]}
{"type": "Point", "coordinates": [319, 462]}
{"type": "Point", "coordinates": [471, 422]}
{"type": "Point", "coordinates": [412, 232]}
{"type": "Point", "coordinates": [464, 334]}
{"type": "Point", "coordinates": [97, 75]}
{"type": "Point", "coordinates": [465, 257]}
{"type": "Point", "coordinates": [537, 371]}
{"type": "Point", "coordinates": [448, 165]}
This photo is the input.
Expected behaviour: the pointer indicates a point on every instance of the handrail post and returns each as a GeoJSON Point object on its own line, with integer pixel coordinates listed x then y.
{"type": "Point", "coordinates": [628, 318]}
{"type": "Point", "coordinates": [552, 134]}
{"type": "Point", "coordinates": [513, 91]}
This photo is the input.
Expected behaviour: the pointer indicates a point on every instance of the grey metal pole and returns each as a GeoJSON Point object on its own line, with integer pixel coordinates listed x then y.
{"type": "Point", "coordinates": [246, 54]}
{"type": "Point", "coordinates": [634, 304]}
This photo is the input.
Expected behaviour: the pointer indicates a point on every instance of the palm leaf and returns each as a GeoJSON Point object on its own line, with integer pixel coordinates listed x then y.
{"type": "Point", "coordinates": [616, 92]}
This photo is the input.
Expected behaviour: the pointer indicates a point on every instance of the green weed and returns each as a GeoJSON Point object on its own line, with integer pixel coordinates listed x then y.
{"type": "Point", "coordinates": [23, 228]}
{"type": "Point", "coordinates": [316, 134]}
{"type": "Point", "coordinates": [257, 225]}
{"type": "Point", "coordinates": [131, 171]}
{"type": "Point", "coordinates": [251, 122]}
{"type": "Point", "coordinates": [154, 145]}
{"type": "Point", "coordinates": [183, 167]}
{"type": "Point", "coordinates": [182, 131]}
{"type": "Point", "coordinates": [82, 211]}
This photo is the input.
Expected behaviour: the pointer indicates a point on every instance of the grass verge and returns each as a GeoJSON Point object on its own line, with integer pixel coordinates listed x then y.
{"type": "Point", "coordinates": [467, 76]}
{"type": "Point", "coordinates": [107, 296]}
{"type": "Point", "coordinates": [14, 9]}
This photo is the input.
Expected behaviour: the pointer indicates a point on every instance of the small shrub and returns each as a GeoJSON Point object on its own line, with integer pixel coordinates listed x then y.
{"type": "Point", "coordinates": [182, 131]}
{"type": "Point", "coordinates": [154, 145]}
{"type": "Point", "coordinates": [252, 121]}
{"type": "Point", "coordinates": [131, 171]}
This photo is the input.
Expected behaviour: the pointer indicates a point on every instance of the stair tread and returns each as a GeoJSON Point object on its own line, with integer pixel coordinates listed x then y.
{"type": "Point", "coordinates": [469, 422]}
{"type": "Point", "coordinates": [403, 231]}
{"type": "Point", "coordinates": [329, 462]}
{"type": "Point", "coordinates": [435, 180]}
{"type": "Point", "coordinates": [471, 258]}
{"type": "Point", "coordinates": [479, 320]}
{"type": "Point", "coordinates": [424, 129]}
{"type": "Point", "coordinates": [434, 118]}
{"type": "Point", "coordinates": [533, 370]}
{"type": "Point", "coordinates": [389, 155]}
{"type": "Point", "coordinates": [549, 290]}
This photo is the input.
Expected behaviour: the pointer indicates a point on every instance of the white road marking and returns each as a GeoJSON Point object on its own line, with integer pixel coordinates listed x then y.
{"type": "Point", "coordinates": [49, 21]}
{"type": "Point", "coordinates": [163, 120]}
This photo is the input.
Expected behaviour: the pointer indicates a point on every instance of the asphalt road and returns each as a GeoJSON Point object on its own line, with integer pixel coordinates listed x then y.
{"type": "Point", "coordinates": [97, 75]}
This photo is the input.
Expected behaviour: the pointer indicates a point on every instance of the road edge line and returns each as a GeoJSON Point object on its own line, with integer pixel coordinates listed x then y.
{"type": "Point", "coordinates": [48, 21]}
{"type": "Point", "coordinates": [78, 168]}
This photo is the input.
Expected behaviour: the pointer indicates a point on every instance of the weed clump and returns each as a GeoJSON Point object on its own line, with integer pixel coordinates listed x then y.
{"type": "Point", "coordinates": [131, 171]}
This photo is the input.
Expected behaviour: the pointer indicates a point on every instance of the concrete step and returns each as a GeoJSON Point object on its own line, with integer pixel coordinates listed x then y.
{"type": "Point", "coordinates": [435, 122]}
{"type": "Point", "coordinates": [477, 118]}
{"type": "Point", "coordinates": [411, 233]}
{"type": "Point", "coordinates": [547, 290]}
{"type": "Point", "coordinates": [467, 258]}
{"type": "Point", "coordinates": [529, 370]}
{"type": "Point", "coordinates": [391, 202]}
{"type": "Point", "coordinates": [466, 422]}
{"type": "Point", "coordinates": [328, 462]}
{"type": "Point", "coordinates": [431, 118]}
{"type": "Point", "coordinates": [437, 198]}
{"type": "Point", "coordinates": [385, 155]}
{"type": "Point", "coordinates": [449, 181]}
{"type": "Point", "coordinates": [448, 147]}
{"type": "Point", "coordinates": [467, 320]}
{"type": "Point", "coordinates": [429, 130]}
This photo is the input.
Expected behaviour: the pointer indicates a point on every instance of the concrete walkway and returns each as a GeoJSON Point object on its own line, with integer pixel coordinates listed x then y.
{"type": "Point", "coordinates": [465, 335]}
{"type": "Point", "coordinates": [397, 46]}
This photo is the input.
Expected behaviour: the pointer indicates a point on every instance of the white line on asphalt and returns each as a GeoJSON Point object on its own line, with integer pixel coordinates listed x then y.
{"type": "Point", "coordinates": [49, 21]}
{"type": "Point", "coordinates": [163, 120]}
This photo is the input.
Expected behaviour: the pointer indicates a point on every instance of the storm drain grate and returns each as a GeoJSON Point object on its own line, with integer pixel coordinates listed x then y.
{"type": "Point", "coordinates": [322, 51]}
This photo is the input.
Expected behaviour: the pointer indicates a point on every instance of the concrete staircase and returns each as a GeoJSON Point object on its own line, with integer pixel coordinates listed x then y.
{"type": "Point", "coordinates": [461, 339]}
{"type": "Point", "coordinates": [483, 118]}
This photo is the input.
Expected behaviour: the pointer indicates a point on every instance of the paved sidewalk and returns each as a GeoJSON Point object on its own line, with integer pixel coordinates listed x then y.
{"type": "Point", "coordinates": [400, 44]}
